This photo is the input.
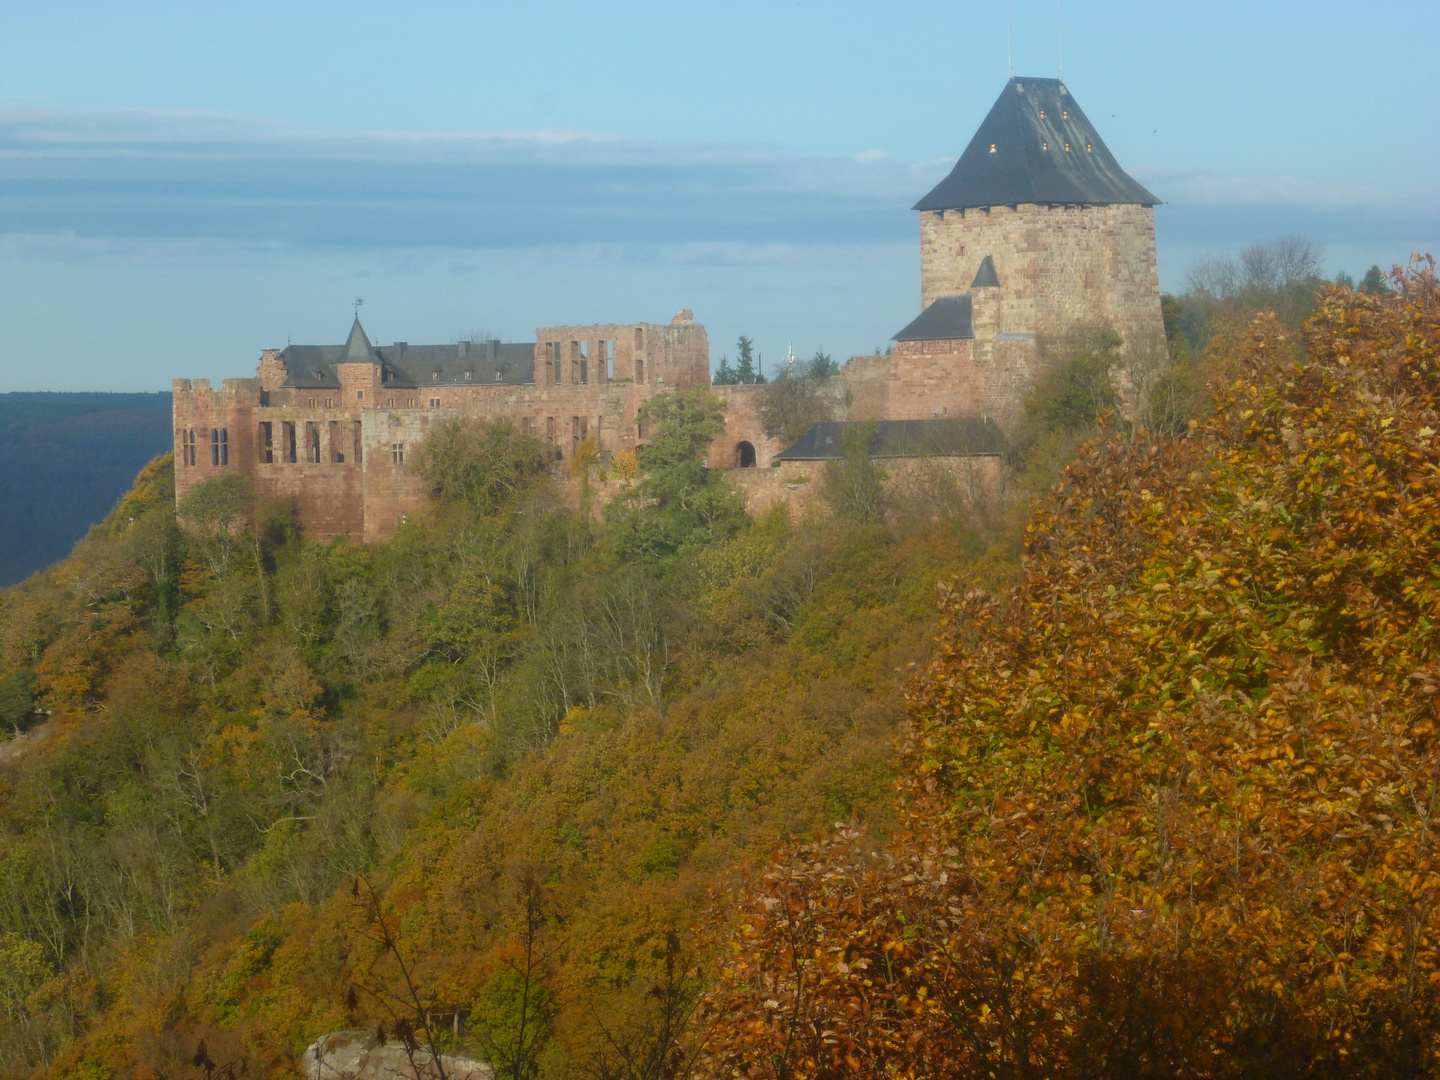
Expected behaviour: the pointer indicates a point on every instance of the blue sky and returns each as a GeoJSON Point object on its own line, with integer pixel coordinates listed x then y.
{"type": "Point", "coordinates": [182, 185]}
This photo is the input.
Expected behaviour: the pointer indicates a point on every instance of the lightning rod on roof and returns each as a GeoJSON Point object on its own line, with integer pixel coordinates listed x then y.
{"type": "Point", "coordinates": [1009, 42]}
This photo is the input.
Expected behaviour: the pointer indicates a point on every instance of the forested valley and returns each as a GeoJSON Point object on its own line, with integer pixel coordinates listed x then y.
{"type": "Point", "coordinates": [68, 458]}
{"type": "Point", "coordinates": [1135, 776]}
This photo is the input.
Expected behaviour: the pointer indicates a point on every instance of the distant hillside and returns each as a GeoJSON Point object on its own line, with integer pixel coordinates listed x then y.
{"type": "Point", "coordinates": [68, 457]}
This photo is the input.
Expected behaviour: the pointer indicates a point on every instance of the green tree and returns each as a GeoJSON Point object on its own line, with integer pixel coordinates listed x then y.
{"type": "Point", "coordinates": [677, 500]}
{"type": "Point", "coordinates": [480, 464]}
{"type": "Point", "coordinates": [725, 375]}
{"type": "Point", "coordinates": [745, 360]}
{"type": "Point", "coordinates": [1375, 281]}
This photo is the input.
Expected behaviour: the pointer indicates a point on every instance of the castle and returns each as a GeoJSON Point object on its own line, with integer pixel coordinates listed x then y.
{"type": "Point", "coordinates": [1035, 230]}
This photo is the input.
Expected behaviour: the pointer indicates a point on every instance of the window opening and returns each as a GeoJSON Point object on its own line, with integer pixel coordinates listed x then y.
{"type": "Point", "coordinates": [992, 148]}
{"type": "Point", "coordinates": [359, 395]}
{"type": "Point", "coordinates": [358, 443]}
{"type": "Point", "coordinates": [287, 438]}
{"type": "Point", "coordinates": [337, 445]}
{"type": "Point", "coordinates": [267, 442]}
{"type": "Point", "coordinates": [187, 440]}
{"type": "Point", "coordinates": [639, 369]}
{"type": "Point", "coordinates": [639, 338]}
{"type": "Point", "coordinates": [1064, 114]}
{"type": "Point", "coordinates": [584, 372]}
{"type": "Point", "coordinates": [312, 442]}
{"type": "Point", "coordinates": [609, 358]}
{"type": "Point", "coordinates": [397, 453]}
{"type": "Point", "coordinates": [434, 402]}
{"type": "Point", "coordinates": [746, 453]}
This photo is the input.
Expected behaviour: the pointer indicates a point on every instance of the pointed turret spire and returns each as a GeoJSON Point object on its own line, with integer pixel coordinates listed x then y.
{"type": "Point", "coordinates": [358, 349]}
{"type": "Point", "coordinates": [1035, 146]}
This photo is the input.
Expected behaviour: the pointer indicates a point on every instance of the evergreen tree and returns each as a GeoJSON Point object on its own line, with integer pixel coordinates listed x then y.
{"type": "Point", "coordinates": [745, 363]}
{"type": "Point", "coordinates": [821, 366]}
{"type": "Point", "coordinates": [725, 376]}
{"type": "Point", "coordinates": [1374, 281]}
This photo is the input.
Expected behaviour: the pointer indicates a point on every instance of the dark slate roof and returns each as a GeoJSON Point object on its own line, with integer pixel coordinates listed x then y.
{"type": "Point", "coordinates": [490, 363]}
{"type": "Point", "coordinates": [1030, 163]}
{"type": "Point", "coordinates": [947, 318]}
{"type": "Point", "coordinates": [985, 277]}
{"type": "Point", "coordinates": [493, 363]}
{"type": "Point", "coordinates": [954, 437]}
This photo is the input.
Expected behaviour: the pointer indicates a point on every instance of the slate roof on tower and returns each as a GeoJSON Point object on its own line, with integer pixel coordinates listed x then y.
{"type": "Point", "coordinates": [1035, 146]}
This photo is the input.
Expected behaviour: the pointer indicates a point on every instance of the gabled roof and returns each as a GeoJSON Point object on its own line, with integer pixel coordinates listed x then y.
{"type": "Point", "coordinates": [493, 363]}
{"type": "Point", "coordinates": [954, 437]}
{"type": "Point", "coordinates": [947, 318]}
{"type": "Point", "coordinates": [1030, 127]}
{"type": "Point", "coordinates": [985, 277]}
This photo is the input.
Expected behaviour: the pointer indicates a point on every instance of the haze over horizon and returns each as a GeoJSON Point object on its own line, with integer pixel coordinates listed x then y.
{"type": "Point", "coordinates": [181, 186]}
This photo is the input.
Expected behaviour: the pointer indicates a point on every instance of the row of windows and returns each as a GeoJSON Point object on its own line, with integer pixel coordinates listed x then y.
{"type": "Point", "coordinates": [577, 360]}
{"type": "Point", "coordinates": [1045, 145]}
{"type": "Point", "coordinates": [219, 446]}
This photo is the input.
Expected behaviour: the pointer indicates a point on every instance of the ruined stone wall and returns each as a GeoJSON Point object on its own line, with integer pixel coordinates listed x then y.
{"type": "Point", "coordinates": [936, 486]}
{"type": "Point", "coordinates": [1058, 265]}
{"type": "Point", "coordinates": [868, 380]}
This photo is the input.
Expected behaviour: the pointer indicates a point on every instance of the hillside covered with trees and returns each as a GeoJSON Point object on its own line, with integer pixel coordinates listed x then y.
{"type": "Point", "coordinates": [1145, 786]}
{"type": "Point", "coordinates": [68, 457]}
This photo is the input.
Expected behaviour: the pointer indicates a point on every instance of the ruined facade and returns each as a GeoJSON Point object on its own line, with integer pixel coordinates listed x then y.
{"type": "Point", "coordinates": [1036, 230]}
{"type": "Point", "coordinates": [333, 429]}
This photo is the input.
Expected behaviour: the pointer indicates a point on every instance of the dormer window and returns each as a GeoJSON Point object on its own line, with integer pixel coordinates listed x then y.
{"type": "Point", "coordinates": [468, 375]}
{"type": "Point", "coordinates": [318, 375]}
{"type": "Point", "coordinates": [1042, 114]}
{"type": "Point", "coordinates": [1044, 145]}
{"type": "Point", "coordinates": [1065, 114]}
{"type": "Point", "coordinates": [1089, 147]}
{"type": "Point", "coordinates": [992, 148]}
{"type": "Point", "coordinates": [1067, 146]}
{"type": "Point", "coordinates": [434, 376]}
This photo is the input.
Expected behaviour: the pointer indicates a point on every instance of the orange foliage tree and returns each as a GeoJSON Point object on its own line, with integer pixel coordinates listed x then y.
{"type": "Point", "coordinates": [1172, 800]}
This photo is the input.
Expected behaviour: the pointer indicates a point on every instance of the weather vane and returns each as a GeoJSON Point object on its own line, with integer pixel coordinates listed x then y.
{"type": "Point", "coordinates": [356, 306]}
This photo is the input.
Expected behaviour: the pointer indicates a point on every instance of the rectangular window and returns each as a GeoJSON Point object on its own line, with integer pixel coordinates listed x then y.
{"type": "Point", "coordinates": [550, 427]}
{"type": "Point", "coordinates": [358, 457]}
{"type": "Point", "coordinates": [397, 453]}
{"type": "Point", "coordinates": [584, 372]}
{"type": "Point", "coordinates": [434, 402]}
{"type": "Point", "coordinates": [337, 445]}
{"type": "Point", "coordinates": [267, 442]}
{"type": "Point", "coordinates": [574, 372]}
{"type": "Point", "coordinates": [525, 425]}
{"type": "Point", "coordinates": [312, 442]}
{"type": "Point", "coordinates": [224, 446]}
{"type": "Point", "coordinates": [287, 438]}
{"type": "Point", "coordinates": [609, 358]}
{"type": "Point", "coordinates": [187, 446]}
{"type": "Point", "coordinates": [214, 446]}
{"type": "Point", "coordinates": [359, 395]}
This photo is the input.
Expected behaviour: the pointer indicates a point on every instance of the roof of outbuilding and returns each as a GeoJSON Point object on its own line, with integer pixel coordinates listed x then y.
{"type": "Point", "coordinates": [1044, 151]}
{"type": "Point", "coordinates": [953, 437]}
{"type": "Point", "coordinates": [947, 318]}
{"type": "Point", "coordinates": [494, 363]}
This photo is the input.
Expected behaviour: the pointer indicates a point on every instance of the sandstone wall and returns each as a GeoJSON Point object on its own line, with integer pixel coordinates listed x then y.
{"type": "Point", "coordinates": [1057, 265]}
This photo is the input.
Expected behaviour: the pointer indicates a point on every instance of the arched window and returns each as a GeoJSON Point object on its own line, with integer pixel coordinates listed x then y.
{"type": "Point", "coordinates": [746, 453]}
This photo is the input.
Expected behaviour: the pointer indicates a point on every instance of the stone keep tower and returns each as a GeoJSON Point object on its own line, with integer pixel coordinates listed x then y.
{"type": "Point", "coordinates": [1041, 226]}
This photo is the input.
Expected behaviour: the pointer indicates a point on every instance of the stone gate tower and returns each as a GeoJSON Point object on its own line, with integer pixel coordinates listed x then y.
{"type": "Point", "coordinates": [1037, 229]}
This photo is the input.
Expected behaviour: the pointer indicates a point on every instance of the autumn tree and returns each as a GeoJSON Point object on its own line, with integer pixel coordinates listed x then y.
{"type": "Point", "coordinates": [1172, 800]}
